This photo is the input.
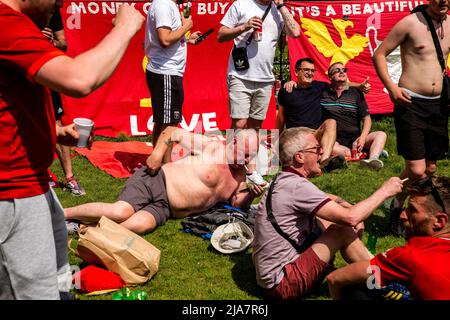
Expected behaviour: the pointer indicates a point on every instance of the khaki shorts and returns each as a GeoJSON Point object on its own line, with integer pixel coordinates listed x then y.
{"type": "Point", "coordinates": [248, 99]}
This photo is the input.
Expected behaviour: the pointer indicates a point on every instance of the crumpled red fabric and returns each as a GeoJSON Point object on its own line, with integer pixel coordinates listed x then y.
{"type": "Point", "coordinates": [92, 278]}
{"type": "Point", "coordinates": [119, 159]}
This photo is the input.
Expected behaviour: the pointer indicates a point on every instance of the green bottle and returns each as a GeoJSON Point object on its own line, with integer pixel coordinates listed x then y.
{"type": "Point", "coordinates": [127, 294]}
{"type": "Point", "coordinates": [187, 10]}
{"type": "Point", "coordinates": [372, 243]}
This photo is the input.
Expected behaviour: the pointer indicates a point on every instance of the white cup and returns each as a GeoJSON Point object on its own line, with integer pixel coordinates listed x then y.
{"type": "Point", "coordinates": [84, 127]}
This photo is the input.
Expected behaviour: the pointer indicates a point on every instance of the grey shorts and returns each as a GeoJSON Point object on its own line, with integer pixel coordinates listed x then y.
{"type": "Point", "coordinates": [145, 192]}
{"type": "Point", "coordinates": [33, 247]}
{"type": "Point", "coordinates": [248, 99]}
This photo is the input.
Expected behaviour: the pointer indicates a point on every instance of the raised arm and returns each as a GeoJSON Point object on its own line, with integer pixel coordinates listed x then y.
{"type": "Point", "coordinates": [291, 26]}
{"type": "Point", "coordinates": [168, 37]}
{"type": "Point", "coordinates": [336, 213]}
{"type": "Point", "coordinates": [193, 143]}
{"type": "Point", "coordinates": [79, 76]}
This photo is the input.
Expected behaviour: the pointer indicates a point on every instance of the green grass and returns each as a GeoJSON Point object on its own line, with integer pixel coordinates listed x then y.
{"type": "Point", "coordinates": [191, 269]}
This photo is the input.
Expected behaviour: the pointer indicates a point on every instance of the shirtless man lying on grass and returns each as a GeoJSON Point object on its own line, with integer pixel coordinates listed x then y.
{"type": "Point", "coordinates": [210, 173]}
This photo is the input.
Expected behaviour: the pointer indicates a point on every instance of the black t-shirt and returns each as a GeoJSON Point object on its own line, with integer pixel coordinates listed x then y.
{"type": "Point", "coordinates": [348, 110]}
{"type": "Point", "coordinates": [56, 23]}
{"type": "Point", "coordinates": [302, 106]}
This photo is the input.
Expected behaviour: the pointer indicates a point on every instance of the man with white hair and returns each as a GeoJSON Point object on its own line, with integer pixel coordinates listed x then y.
{"type": "Point", "coordinates": [211, 172]}
{"type": "Point", "coordinates": [299, 228]}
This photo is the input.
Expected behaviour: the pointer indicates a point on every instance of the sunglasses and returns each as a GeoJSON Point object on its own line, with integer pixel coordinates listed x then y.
{"type": "Point", "coordinates": [338, 70]}
{"type": "Point", "coordinates": [315, 149]}
{"type": "Point", "coordinates": [427, 184]}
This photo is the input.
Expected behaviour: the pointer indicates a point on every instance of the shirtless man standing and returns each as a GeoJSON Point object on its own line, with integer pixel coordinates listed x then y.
{"type": "Point", "coordinates": [211, 172]}
{"type": "Point", "coordinates": [420, 114]}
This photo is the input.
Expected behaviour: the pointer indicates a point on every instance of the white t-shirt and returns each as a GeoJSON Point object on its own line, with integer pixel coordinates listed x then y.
{"type": "Point", "coordinates": [260, 54]}
{"type": "Point", "coordinates": [171, 60]}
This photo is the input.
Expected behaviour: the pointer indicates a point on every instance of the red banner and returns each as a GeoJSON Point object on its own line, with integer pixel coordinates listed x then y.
{"type": "Point", "coordinates": [123, 103]}
{"type": "Point", "coordinates": [349, 32]}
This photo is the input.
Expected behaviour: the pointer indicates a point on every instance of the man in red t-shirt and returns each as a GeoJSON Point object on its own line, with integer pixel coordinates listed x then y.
{"type": "Point", "coordinates": [423, 264]}
{"type": "Point", "coordinates": [32, 228]}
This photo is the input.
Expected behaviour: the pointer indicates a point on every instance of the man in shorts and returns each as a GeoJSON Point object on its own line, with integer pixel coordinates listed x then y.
{"type": "Point", "coordinates": [299, 106]}
{"type": "Point", "coordinates": [347, 105]}
{"type": "Point", "coordinates": [165, 48]}
{"type": "Point", "coordinates": [211, 172]}
{"type": "Point", "coordinates": [420, 112]}
{"type": "Point", "coordinates": [55, 33]}
{"type": "Point", "coordinates": [33, 239]}
{"type": "Point", "coordinates": [293, 249]}
{"type": "Point", "coordinates": [250, 90]}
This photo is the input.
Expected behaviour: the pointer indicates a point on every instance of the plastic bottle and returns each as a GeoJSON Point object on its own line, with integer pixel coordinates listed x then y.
{"type": "Point", "coordinates": [187, 10]}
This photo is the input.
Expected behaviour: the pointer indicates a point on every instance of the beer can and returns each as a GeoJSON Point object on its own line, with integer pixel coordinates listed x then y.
{"type": "Point", "coordinates": [257, 34]}
{"type": "Point", "coordinates": [354, 150]}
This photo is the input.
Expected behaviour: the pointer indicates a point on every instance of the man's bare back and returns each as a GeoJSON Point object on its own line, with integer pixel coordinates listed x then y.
{"type": "Point", "coordinates": [421, 71]}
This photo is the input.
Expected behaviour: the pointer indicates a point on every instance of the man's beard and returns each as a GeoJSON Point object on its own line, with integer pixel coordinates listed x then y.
{"type": "Point", "coordinates": [41, 17]}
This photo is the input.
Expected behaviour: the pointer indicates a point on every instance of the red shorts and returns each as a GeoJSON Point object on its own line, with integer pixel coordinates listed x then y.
{"type": "Point", "coordinates": [299, 277]}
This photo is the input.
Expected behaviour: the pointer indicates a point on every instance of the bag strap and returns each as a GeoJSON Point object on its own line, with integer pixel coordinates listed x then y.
{"type": "Point", "coordinates": [437, 45]}
{"type": "Point", "coordinates": [249, 40]}
{"type": "Point", "coordinates": [273, 221]}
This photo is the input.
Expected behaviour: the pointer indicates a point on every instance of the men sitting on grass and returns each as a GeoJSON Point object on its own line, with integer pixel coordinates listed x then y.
{"type": "Point", "coordinates": [348, 107]}
{"type": "Point", "coordinates": [423, 264]}
{"type": "Point", "coordinates": [295, 244]}
{"type": "Point", "coordinates": [211, 172]}
{"type": "Point", "coordinates": [299, 106]}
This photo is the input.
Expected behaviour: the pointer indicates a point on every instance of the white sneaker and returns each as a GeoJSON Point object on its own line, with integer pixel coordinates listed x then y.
{"type": "Point", "coordinates": [256, 178]}
{"type": "Point", "coordinates": [375, 164]}
{"type": "Point", "coordinates": [384, 153]}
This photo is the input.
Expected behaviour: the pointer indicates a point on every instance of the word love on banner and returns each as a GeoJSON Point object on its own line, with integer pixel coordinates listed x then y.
{"type": "Point", "coordinates": [123, 103]}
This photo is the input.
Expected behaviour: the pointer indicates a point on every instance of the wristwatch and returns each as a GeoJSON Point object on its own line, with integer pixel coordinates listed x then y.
{"type": "Point", "coordinates": [281, 5]}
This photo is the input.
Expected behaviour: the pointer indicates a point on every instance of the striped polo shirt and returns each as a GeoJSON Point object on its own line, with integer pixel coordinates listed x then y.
{"type": "Point", "coordinates": [348, 110]}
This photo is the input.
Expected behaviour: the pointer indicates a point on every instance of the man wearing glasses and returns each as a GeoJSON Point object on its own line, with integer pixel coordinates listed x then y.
{"type": "Point", "coordinates": [292, 250]}
{"type": "Point", "coordinates": [423, 263]}
{"type": "Point", "coordinates": [348, 107]}
{"type": "Point", "coordinates": [299, 106]}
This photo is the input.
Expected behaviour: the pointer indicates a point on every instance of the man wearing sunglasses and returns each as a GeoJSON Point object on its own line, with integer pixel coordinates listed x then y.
{"type": "Point", "coordinates": [348, 107]}
{"type": "Point", "coordinates": [293, 251]}
{"type": "Point", "coordinates": [299, 106]}
{"type": "Point", "coordinates": [423, 263]}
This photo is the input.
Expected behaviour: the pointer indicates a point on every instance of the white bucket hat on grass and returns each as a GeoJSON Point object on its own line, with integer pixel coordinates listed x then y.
{"type": "Point", "coordinates": [232, 237]}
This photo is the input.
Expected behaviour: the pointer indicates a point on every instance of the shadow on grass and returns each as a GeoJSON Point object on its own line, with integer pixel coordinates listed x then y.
{"type": "Point", "coordinates": [243, 272]}
{"type": "Point", "coordinates": [244, 275]}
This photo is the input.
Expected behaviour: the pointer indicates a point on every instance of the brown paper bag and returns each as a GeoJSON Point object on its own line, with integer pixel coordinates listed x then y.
{"type": "Point", "coordinates": [119, 250]}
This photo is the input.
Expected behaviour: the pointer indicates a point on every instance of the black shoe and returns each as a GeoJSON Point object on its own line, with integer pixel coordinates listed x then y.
{"type": "Point", "coordinates": [336, 162]}
{"type": "Point", "coordinates": [395, 224]}
{"type": "Point", "coordinates": [63, 295]}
